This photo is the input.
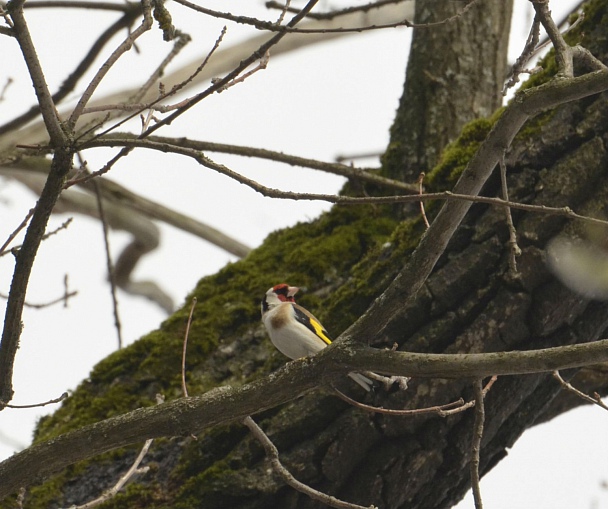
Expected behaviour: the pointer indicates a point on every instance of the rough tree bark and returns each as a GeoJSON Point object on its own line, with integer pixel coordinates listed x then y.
{"type": "Point", "coordinates": [455, 73]}
{"type": "Point", "coordinates": [470, 304]}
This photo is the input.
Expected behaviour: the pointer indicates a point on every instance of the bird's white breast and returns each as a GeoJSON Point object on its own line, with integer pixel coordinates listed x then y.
{"type": "Point", "coordinates": [290, 337]}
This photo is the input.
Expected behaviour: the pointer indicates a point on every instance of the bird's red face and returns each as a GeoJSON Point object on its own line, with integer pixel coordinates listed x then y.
{"type": "Point", "coordinates": [285, 293]}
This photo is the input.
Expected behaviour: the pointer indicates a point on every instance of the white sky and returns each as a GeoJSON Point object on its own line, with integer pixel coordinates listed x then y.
{"type": "Point", "coordinates": [338, 98]}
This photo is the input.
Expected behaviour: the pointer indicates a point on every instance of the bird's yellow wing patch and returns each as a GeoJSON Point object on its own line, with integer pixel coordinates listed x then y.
{"type": "Point", "coordinates": [311, 323]}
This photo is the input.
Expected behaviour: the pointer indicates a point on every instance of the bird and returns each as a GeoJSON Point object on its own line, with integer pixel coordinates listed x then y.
{"type": "Point", "coordinates": [293, 330]}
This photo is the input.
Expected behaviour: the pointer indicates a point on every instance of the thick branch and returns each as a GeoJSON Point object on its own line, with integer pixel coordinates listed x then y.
{"type": "Point", "coordinates": [62, 162]}
{"type": "Point", "coordinates": [223, 405]}
{"type": "Point", "coordinates": [526, 104]}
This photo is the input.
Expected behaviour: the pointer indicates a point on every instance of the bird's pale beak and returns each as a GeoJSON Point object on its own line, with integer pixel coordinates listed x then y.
{"type": "Point", "coordinates": [292, 290]}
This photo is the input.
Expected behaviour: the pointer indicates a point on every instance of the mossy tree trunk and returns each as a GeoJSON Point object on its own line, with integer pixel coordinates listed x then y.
{"type": "Point", "coordinates": [469, 304]}
{"type": "Point", "coordinates": [455, 73]}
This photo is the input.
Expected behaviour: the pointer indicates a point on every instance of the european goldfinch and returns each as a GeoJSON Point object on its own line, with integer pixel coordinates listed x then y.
{"type": "Point", "coordinates": [293, 330]}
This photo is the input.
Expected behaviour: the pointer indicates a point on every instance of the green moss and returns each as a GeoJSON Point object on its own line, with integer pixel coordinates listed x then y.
{"type": "Point", "coordinates": [457, 155]}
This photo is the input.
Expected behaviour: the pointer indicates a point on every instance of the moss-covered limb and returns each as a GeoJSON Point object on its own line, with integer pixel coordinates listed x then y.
{"type": "Point", "coordinates": [191, 415]}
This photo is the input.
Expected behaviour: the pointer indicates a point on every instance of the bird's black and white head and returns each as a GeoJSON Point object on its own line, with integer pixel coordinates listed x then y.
{"type": "Point", "coordinates": [277, 295]}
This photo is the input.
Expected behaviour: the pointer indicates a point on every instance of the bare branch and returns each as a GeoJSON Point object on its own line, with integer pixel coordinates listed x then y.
{"type": "Point", "coordinates": [181, 40]}
{"type": "Point", "coordinates": [75, 4]}
{"type": "Point", "coordinates": [64, 298]}
{"type": "Point", "coordinates": [476, 442]}
{"type": "Point", "coordinates": [334, 14]}
{"type": "Point", "coordinates": [126, 45]}
{"type": "Point", "coordinates": [243, 65]}
{"type": "Point", "coordinates": [63, 226]}
{"type": "Point", "coordinates": [7, 84]}
{"type": "Point", "coordinates": [226, 404]}
{"type": "Point", "coordinates": [282, 29]}
{"type": "Point", "coordinates": [526, 54]}
{"type": "Point", "coordinates": [420, 192]}
{"type": "Point", "coordinates": [432, 245]}
{"type": "Point", "coordinates": [16, 231]}
{"type": "Point", "coordinates": [70, 82]}
{"type": "Point", "coordinates": [133, 470]}
{"type": "Point", "coordinates": [358, 174]}
{"type": "Point", "coordinates": [514, 249]}
{"type": "Point", "coordinates": [35, 405]}
{"type": "Point", "coordinates": [109, 264]}
{"type": "Point", "coordinates": [439, 409]}
{"type": "Point", "coordinates": [343, 200]}
{"type": "Point", "coordinates": [569, 387]}
{"type": "Point", "coordinates": [121, 205]}
{"type": "Point", "coordinates": [11, 333]}
{"type": "Point", "coordinates": [273, 455]}
{"type": "Point", "coordinates": [187, 333]}
{"type": "Point", "coordinates": [563, 52]}
{"type": "Point", "coordinates": [45, 101]}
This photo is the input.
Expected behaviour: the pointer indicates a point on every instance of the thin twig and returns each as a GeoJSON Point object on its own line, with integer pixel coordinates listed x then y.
{"type": "Point", "coordinates": [273, 455]}
{"type": "Point", "coordinates": [569, 387]}
{"type": "Point", "coordinates": [219, 84]}
{"type": "Point", "coordinates": [45, 100]}
{"type": "Point", "coordinates": [35, 405]}
{"type": "Point", "coordinates": [282, 29]}
{"type": "Point", "coordinates": [439, 409]}
{"type": "Point", "coordinates": [176, 88]}
{"type": "Point", "coordinates": [64, 298]}
{"type": "Point", "coordinates": [63, 226]}
{"type": "Point", "coordinates": [66, 291]}
{"type": "Point", "coordinates": [445, 410]}
{"type": "Point", "coordinates": [342, 200]}
{"type": "Point", "coordinates": [7, 84]}
{"type": "Point", "coordinates": [284, 11]}
{"type": "Point", "coordinates": [154, 105]}
{"type": "Point", "coordinates": [125, 46]}
{"type": "Point", "coordinates": [525, 56]}
{"type": "Point", "coordinates": [476, 442]}
{"type": "Point", "coordinates": [133, 470]}
{"type": "Point", "coordinates": [7, 20]}
{"type": "Point", "coordinates": [133, 106]}
{"type": "Point", "coordinates": [262, 64]}
{"type": "Point", "coordinates": [105, 169]}
{"type": "Point", "coordinates": [360, 173]}
{"type": "Point", "coordinates": [68, 85]}
{"type": "Point", "coordinates": [514, 248]}
{"type": "Point", "coordinates": [16, 231]}
{"type": "Point", "coordinates": [181, 41]}
{"type": "Point", "coordinates": [420, 192]}
{"type": "Point", "coordinates": [184, 387]}
{"type": "Point", "coordinates": [109, 264]}
{"type": "Point", "coordinates": [75, 4]}
{"type": "Point", "coordinates": [469, 404]}
{"type": "Point", "coordinates": [334, 14]}
{"type": "Point", "coordinates": [389, 381]}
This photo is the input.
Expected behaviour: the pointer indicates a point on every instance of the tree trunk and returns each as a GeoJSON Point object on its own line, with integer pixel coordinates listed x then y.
{"type": "Point", "coordinates": [455, 74]}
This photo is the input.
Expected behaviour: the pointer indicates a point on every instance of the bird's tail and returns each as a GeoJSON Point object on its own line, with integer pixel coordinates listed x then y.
{"type": "Point", "coordinates": [363, 381]}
